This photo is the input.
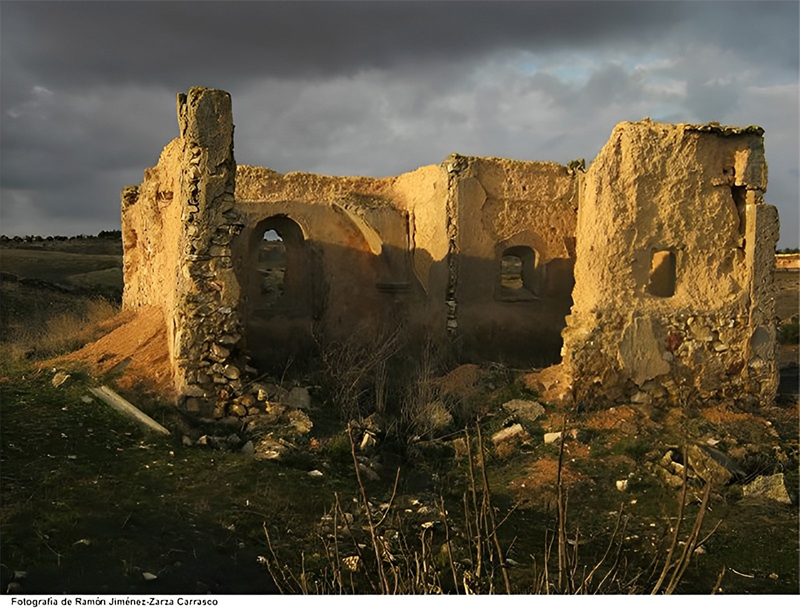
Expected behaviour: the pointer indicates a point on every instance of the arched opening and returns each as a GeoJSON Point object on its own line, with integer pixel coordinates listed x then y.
{"type": "Point", "coordinates": [518, 279]}
{"type": "Point", "coordinates": [279, 293]}
{"type": "Point", "coordinates": [278, 269]}
{"type": "Point", "coordinates": [271, 268]}
{"type": "Point", "coordinates": [532, 296]}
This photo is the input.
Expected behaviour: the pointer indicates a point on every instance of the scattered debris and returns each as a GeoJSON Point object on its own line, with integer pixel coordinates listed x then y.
{"type": "Point", "coordinates": [300, 422]}
{"type": "Point", "coordinates": [368, 440]}
{"type": "Point", "coordinates": [60, 378]}
{"type": "Point", "coordinates": [550, 438]}
{"type": "Point", "coordinates": [525, 410]}
{"type": "Point", "coordinates": [368, 473]}
{"type": "Point", "coordinates": [509, 434]}
{"type": "Point", "coordinates": [298, 398]}
{"type": "Point", "coordinates": [622, 485]}
{"type": "Point", "coordinates": [269, 449]}
{"type": "Point", "coordinates": [120, 404]}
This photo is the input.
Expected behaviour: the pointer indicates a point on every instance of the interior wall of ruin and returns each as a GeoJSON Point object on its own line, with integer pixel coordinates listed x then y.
{"type": "Point", "coordinates": [361, 266]}
{"type": "Point", "coordinates": [526, 211]}
{"type": "Point", "coordinates": [671, 290]}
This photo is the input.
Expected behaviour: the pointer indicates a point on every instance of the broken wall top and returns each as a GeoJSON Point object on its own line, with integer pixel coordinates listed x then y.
{"type": "Point", "coordinates": [660, 187]}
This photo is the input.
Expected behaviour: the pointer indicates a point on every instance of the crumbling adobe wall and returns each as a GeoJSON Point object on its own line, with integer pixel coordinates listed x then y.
{"type": "Point", "coordinates": [151, 229]}
{"type": "Point", "coordinates": [350, 249]}
{"type": "Point", "coordinates": [670, 239]}
{"type": "Point", "coordinates": [699, 323]}
{"type": "Point", "coordinates": [527, 210]}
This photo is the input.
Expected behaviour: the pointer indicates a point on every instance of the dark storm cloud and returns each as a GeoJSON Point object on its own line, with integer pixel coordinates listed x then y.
{"type": "Point", "coordinates": [81, 43]}
{"type": "Point", "coordinates": [371, 88]}
{"type": "Point", "coordinates": [77, 43]}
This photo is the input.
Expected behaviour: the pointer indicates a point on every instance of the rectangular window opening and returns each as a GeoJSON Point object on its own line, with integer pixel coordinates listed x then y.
{"type": "Point", "coordinates": [662, 274]}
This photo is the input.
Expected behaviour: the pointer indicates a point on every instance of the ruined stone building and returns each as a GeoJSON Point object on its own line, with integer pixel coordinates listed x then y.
{"type": "Point", "coordinates": [644, 275]}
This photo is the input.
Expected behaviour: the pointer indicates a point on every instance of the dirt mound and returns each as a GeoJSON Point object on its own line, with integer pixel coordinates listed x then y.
{"type": "Point", "coordinates": [720, 414]}
{"type": "Point", "coordinates": [623, 418]}
{"type": "Point", "coordinates": [137, 349]}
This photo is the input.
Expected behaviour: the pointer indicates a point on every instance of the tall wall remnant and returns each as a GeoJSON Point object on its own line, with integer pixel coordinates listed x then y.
{"type": "Point", "coordinates": [673, 290]}
{"type": "Point", "coordinates": [667, 232]}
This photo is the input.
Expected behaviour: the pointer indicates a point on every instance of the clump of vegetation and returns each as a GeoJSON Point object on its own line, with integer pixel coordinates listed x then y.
{"type": "Point", "coordinates": [789, 333]}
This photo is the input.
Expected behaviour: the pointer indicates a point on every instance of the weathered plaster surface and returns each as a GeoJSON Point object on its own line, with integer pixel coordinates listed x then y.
{"type": "Point", "coordinates": [667, 232]}
{"type": "Point", "coordinates": [696, 192]}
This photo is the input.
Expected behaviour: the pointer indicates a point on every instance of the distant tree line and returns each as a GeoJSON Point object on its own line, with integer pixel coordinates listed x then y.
{"type": "Point", "coordinates": [111, 235]}
{"type": "Point", "coordinates": [788, 250]}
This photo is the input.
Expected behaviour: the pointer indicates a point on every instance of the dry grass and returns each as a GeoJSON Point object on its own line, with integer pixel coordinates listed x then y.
{"type": "Point", "coordinates": [61, 333]}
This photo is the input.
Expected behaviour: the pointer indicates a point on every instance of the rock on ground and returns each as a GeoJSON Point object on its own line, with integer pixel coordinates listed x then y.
{"type": "Point", "coordinates": [526, 410]}
{"type": "Point", "coordinates": [769, 487]}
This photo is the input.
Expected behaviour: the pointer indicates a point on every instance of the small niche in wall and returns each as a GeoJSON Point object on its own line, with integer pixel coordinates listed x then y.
{"type": "Point", "coordinates": [662, 274]}
{"type": "Point", "coordinates": [517, 273]}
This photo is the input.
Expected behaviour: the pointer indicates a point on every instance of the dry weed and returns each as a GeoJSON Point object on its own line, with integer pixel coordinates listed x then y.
{"type": "Point", "coordinates": [62, 333]}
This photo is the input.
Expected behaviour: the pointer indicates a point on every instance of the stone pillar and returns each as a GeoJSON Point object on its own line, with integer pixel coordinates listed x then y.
{"type": "Point", "coordinates": [762, 237]}
{"type": "Point", "coordinates": [205, 328]}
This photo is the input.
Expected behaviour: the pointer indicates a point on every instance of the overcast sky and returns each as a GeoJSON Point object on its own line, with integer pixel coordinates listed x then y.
{"type": "Point", "coordinates": [373, 88]}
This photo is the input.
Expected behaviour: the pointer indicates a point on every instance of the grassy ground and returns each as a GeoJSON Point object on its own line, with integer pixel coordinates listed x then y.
{"type": "Point", "coordinates": [85, 492]}
{"type": "Point", "coordinates": [91, 502]}
{"type": "Point", "coordinates": [88, 266]}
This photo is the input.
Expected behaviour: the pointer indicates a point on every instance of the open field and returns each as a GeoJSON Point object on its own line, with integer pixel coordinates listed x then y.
{"type": "Point", "coordinates": [101, 273]}
{"type": "Point", "coordinates": [787, 301]}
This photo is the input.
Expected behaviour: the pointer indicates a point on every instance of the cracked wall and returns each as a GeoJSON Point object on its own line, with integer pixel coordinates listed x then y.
{"type": "Point", "coordinates": [696, 194]}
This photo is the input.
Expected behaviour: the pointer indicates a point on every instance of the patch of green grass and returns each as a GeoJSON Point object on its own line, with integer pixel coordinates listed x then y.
{"type": "Point", "coordinates": [84, 488]}
{"type": "Point", "coordinates": [635, 448]}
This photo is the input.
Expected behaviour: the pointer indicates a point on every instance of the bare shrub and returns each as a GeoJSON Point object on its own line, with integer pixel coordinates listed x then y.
{"type": "Point", "coordinates": [383, 550]}
{"type": "Point", "coordinates": [355, 370]}
{"type": "Point", "coordinates": [424, 408]}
